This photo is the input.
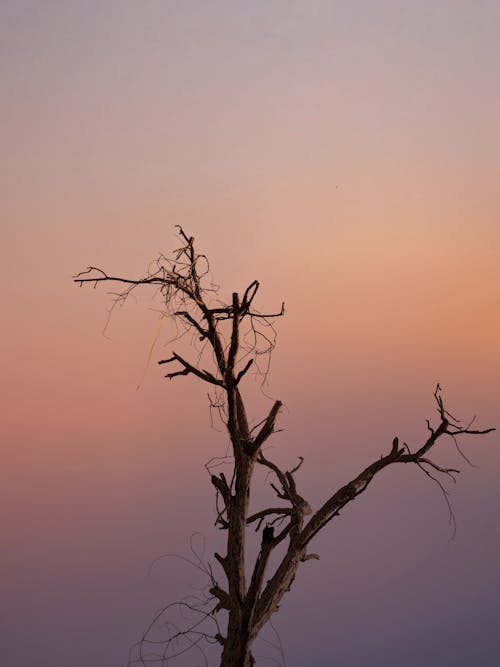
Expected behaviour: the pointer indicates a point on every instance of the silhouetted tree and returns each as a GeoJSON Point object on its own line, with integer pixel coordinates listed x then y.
{"type": "Point", "coordinates": [236, 333]}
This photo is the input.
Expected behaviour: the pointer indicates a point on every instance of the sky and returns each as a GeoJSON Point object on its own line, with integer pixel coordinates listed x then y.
{"type": "Point", "coordinates": [346, 155]}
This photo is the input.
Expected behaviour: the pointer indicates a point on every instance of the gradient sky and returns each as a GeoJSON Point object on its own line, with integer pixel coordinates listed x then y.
{"type": "Point", "coordinates": [346, 154]}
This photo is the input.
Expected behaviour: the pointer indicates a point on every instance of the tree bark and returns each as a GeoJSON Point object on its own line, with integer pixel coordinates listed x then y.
{"type": "Point", "coordinates": [237, 647]}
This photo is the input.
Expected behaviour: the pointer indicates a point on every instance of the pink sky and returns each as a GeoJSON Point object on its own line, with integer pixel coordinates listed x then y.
{"type": "Point", "coordinates": [347, 156]}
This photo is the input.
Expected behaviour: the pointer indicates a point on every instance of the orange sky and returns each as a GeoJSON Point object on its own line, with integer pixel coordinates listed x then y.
{"type": "Point", "coordinates": [347, 156]}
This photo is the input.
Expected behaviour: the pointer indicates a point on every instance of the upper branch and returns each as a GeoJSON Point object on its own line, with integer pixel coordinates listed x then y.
{"type": "Point", "coordinates": [235, 338]}
{"type": "Point", "coordinates": [179, 281]}
{"type": "Point", "coordinates": [102, 276]}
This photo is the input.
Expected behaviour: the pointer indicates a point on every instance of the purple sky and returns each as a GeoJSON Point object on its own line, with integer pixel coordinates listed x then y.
{"type": "Point", "coordinates": [346, 154]}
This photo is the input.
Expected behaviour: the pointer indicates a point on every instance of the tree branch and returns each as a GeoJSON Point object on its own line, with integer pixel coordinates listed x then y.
{"type": "Point", "coordinates": [189, 368]}
{"type": "Point", "coordinates": [347, 493]}
{"type": "Point", "coordinates": [267, 429]}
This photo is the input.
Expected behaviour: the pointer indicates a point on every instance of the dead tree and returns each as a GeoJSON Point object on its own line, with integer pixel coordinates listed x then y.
{"type": "Point", "coordinates": [233, 333]}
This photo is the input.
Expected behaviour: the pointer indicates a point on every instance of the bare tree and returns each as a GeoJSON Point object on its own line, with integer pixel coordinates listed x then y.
{"type": "Point", "coordinates": [236, 334]}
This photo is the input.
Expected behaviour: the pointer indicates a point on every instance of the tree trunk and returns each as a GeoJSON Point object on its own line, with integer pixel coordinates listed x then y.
{"type": "Point", "coordinates": [236, 652]}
